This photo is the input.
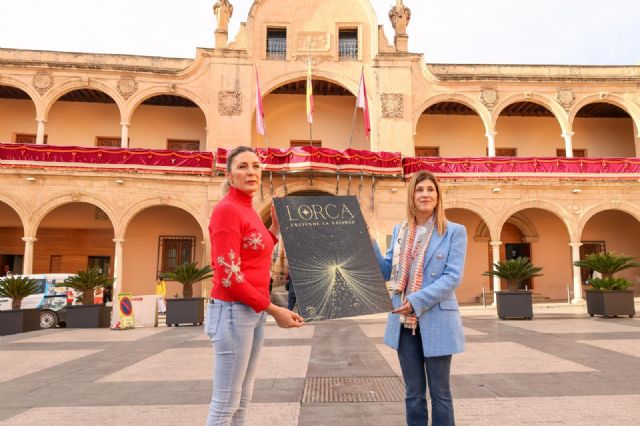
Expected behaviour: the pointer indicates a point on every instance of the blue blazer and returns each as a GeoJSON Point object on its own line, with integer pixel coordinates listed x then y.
{"type": "Point", "coordinates": [435, 304]}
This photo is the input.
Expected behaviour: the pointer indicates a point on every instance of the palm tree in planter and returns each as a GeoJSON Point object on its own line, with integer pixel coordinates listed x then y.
{"type": "Point", "coordinates": [609, 296]}
{"type": "Point", "coordinates": [189, 309]}
{"type": "Point", "coordinates": [514, 303]}
{"type": "Point", "coordinates": [18, 320]}
{"type": "Point", "coordinates": [89, 314]}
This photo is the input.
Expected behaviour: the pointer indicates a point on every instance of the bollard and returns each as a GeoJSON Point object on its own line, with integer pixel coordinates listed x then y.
{"type": "Point", "coordinates": [484, 298]}
{"type": "Point", "coordinates": [568, 294]}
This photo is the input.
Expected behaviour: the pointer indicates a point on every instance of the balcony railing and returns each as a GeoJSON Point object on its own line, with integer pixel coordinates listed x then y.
{"type": "Point", "coordinates": [277, 49]}
{"type": "Point", "coordinates": [348, 49]}
{"type": "Point", "coordinates": [309, 158]}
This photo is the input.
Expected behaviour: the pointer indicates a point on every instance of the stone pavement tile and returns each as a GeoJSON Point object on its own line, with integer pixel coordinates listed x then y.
{"type": "Point", "coordinates": [92, 335]}
{"type": "Point", "coordinates": [341, 349]}
{"type": "Point", "coordinates": [274, 362]}
{"type": "Point", "coordinates": [161, 415]}
{"type": "Point", "coordinates": [21, 363]}
{"type": "Point", "coordinates": [278, 390]}
{"type": "Point", "coordinates": [624, 346]}
{"type": "Point", "coordinates": [509, 357]}
{"type": "Point", "coordinates": [496, 358]}
{"type": "Point", "coordinates": [353, 414]}
{"type": "Point", "coordinates": [574, 326]}
{"type": "Point", "coordinates": [612, 410]}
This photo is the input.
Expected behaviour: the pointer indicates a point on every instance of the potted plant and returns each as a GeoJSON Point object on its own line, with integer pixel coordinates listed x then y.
{"type": "Point", "coordinates": [18, 320]}
{"type": "Point", "coordinates": [609, 296]}
{"type": "Point", "coordinates": [189, 309]}
{"type": "Point", "coordinates": [514, 302]}
{"type": "Point", "coordinates": [89, 314]}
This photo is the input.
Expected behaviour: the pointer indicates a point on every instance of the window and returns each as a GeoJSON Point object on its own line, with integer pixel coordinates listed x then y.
{"type": "Point", "coordinates": [108, 141]}
{"type": "Point", "coordinates": [587, 248]}
{"type": "Point", "coordinates": [561, 152]}
{"type": "Point", "coordinates": [315, 142]}
{"type": "Point", "coordinates": [175, 251]}
{"type": "Point", "coordinates": [427, 151]}
{"type": "Point", "coordinates": [101, 263]}
{"type": "Point", "coordinates": [29, 138]}
{"type": "Point", "coordinates": [277, 43]}
{"type": "Point", "coordinates": [55, 263]}
{"type": "Point", "coordinates": [348, 44]}
{"type": "Point", "coordinates": [183, 144]}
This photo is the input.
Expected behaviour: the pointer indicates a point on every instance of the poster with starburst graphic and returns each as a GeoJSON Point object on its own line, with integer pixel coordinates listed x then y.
{"type": "Point", "coordinates": [331, 260]}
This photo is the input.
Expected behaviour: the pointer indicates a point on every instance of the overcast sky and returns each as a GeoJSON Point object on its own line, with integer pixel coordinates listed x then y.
{"type": "Point", "coordinates": [589, 32]}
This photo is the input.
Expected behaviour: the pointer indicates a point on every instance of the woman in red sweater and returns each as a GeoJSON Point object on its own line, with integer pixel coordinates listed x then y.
{"type": "Point", "coordinates": [241, 249]}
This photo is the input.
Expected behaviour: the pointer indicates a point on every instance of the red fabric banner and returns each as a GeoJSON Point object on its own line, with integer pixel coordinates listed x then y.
{"type": "Point", "coordinates": [501, 167]}
{"type": "Point", "coordinates": [146, 160]}
{"type": "Point", "coordinates": [309, 158]}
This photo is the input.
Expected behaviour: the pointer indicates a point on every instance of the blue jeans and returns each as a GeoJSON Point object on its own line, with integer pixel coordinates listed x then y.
{"type": "Point", "coordinates": [414, 365]}
{"type": "Point", "coordinates": [237, 333]}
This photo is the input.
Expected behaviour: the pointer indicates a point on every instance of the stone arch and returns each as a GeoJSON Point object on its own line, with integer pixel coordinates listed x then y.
{"type": "Point", "coordinates": [17, 207]}
{"type": "Point", "coordinates": [558, 112]}
{"type": "Point", "coordinates": [474, 208]}
{"type": "Point", "coordinates": [560, 213]}
{"type": "Point", "coordinates": [136, 100]}
{"type": "Point", "coordinates": [57, 92]}
{"type": "Point", "coordinates": [339, 79]}
{"type": "Point", "coordinates": [519, 220]}
{"type": "Point", "coordinates": [140, 206]}
{"type": "Point", "coordinates": [625, 207]}
{"type": "Point", "coordinates": [619, 101]}
{"type": "Point", "coordinates": [480, 109]}
{"type": "Point", "coordinates": [53, 204]}
{"type": "Point", "coordinates": [29, 90]}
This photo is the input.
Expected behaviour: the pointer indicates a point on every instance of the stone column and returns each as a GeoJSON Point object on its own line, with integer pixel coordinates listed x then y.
{"type": "Point", "coordinates": [117, 280]}
{"type": "Point", "coordinates": [495, 257]}
{"type": "Point", "coordinates": [27, 261]}
{"type": "Point", "coordinates": [40, 131]}
{"type": "Point", "coordinates": [577, 280]}
{"type": "Point", "coordinates": [491, 143]}
{"type": "Point", "coordinates": [568, 144]}
{"type": "Point", "coordinates": [638, 145]}
{"type": "Point", "coordinates": [206, 260]}
{"type": "Point", "coordinates": [124, 135]}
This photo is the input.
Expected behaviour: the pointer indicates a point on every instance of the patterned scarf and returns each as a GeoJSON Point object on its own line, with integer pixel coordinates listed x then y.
{"type": "Point", "coordinates": [404, 256]}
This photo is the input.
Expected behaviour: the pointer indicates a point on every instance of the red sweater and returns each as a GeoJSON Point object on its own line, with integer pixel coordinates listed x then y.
{"type": "Point", "coordinates": [241, 250]}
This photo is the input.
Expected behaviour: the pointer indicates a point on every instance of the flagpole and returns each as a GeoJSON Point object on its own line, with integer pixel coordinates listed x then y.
{"type": "Point", "coordinates": [264, 122]}
{"type": "Point", "coordinates": [311, 83]}
{"type": "Point", "coordinates": [355, 107]}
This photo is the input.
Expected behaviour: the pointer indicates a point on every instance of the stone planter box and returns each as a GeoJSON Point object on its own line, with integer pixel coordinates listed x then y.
{"type": "Point", "coordinates": [610, 303]}
{"type": "Point", "coordinates": [19, 321]}
{"type": "Point", "coordinates": [88, 316]}
{"type": "Point", "coordinates": [185, 311]}
{"type": "Point", "coordinates": [514, 304]}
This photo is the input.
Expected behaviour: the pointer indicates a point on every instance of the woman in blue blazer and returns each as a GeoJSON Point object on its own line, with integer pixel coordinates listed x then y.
{"type": "Point", "coordinates": [424, 266]}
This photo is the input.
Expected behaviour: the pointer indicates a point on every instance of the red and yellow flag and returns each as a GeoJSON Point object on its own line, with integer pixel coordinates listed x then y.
{"type": "Point", "coordinates": [309, 94]}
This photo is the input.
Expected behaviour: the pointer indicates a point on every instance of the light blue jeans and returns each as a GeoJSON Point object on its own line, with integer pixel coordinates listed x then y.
{"type": "Point", "coordinates": [237, 333]}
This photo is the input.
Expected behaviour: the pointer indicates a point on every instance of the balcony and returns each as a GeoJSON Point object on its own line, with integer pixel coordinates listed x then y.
{"type": "Point", "coordinates": [277, 49]}
{"type": "Point", "coordinates": [348, 49]}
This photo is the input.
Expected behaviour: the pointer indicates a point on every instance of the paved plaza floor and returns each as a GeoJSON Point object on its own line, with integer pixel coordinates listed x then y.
{"type": "Point", "coordinates": [562, 368]}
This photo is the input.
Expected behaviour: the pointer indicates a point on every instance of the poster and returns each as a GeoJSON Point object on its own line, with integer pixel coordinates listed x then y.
{"type": "Point", "coordinates": [331, 260]}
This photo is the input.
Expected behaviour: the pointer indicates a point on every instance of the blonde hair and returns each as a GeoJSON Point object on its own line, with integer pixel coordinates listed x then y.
{"type": "Point", "coordinates": [440, 219]}
{"type": "Point", "coordinates": [230, 156]}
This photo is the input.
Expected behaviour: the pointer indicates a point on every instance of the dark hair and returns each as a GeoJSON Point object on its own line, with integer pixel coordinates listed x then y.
{"type": "Point", "coordinates": [235, 152]}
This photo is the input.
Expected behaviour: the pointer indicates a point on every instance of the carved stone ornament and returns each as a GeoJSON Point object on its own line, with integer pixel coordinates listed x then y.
{"type": "Point", "coordinates": [42, 81]}
{"type": "Point", "coordinates": [229, 102]}
{"type": "Point", "coordinates": [127, 86]}
{"type": "Point", "coordinates": [316, 41]}
{"type": "Point", "coordinates": [489, 97]}
{"type": "Point", "coordinates": [392, 105]}
{"type": "Point", "coordinates": [566, 98]}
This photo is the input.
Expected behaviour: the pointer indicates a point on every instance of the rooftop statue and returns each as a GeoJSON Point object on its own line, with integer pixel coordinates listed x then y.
{"type": "Point", "coordinates": [400, 16]}
{"type": "Point", "coordinates": [223, 11]}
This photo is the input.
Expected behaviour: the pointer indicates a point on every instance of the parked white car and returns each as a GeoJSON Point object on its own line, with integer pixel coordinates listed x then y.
{"type": "Point", "coordinates": [52, 297]}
